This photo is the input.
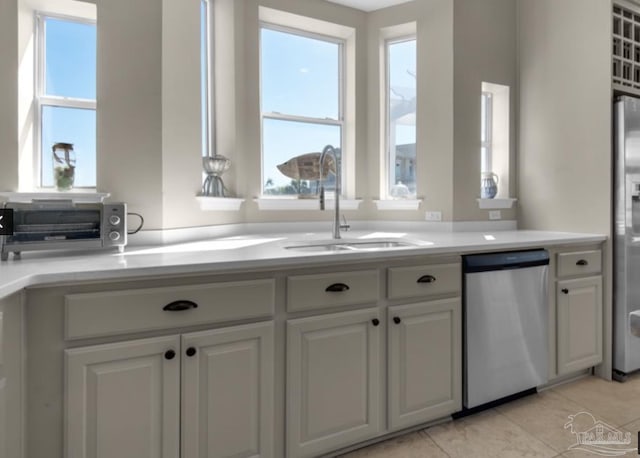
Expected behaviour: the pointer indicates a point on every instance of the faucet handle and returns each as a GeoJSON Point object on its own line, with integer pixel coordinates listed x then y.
{"type": "Point", "coordinates": [345, 226]}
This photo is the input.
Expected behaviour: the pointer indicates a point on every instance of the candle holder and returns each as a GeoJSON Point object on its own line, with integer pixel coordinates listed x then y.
{"type": "Point", "coordinates": [215, 166]}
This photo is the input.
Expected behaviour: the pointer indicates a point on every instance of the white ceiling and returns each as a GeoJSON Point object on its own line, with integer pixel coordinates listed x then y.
{"type": "Point", "coordinates": [369, 5]}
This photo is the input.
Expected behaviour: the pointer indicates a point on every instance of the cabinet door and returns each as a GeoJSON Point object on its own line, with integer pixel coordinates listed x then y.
{"type": "Point", "coordinates": [122, 400]}
{"type": "Point", "coordinates": [425, 378]}
{"type": "Point", "coordinates": [227, 392]}
{"type": "Point", "coordinates": [579, 309]}
{"type": "Point", "coordinates": [333, 381]}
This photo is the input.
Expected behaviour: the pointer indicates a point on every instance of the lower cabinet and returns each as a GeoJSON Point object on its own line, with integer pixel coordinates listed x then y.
{"type": "Point", "coordinates": [124, 400]}
{"type": "Point", "coordinates": [334, 395]}
{"type": "Point", "coordinates": [424, 359]}
{"type": "Point", "coordinates": [333, 381]}
{"type": "Point", "coordinates": [579, 323]}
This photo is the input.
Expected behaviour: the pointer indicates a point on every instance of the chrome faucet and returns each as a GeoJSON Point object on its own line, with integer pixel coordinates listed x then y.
{"type": "Point", "coordinates": [330, 150]}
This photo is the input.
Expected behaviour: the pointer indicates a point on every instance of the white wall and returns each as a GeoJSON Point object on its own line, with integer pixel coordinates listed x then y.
{"type": "Point", "coordinates": [484, 50]}
{"type": "Point", "coordinates": [564, 169]}
{"type": "Point", "coordinates": [9, 95]}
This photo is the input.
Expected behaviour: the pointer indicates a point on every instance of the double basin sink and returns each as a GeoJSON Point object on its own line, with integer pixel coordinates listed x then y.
{"type": "Point", "coordinates": [342, 246]}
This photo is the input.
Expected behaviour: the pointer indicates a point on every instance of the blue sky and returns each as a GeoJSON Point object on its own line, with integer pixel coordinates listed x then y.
{"type": "Point", "coordinates": [300, 76]}
{"type": "Point", "coordinates": [70, 71]}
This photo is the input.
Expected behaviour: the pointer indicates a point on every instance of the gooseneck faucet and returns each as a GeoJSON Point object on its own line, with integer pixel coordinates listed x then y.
{"type": "Point", "coordinates": [330, 150]}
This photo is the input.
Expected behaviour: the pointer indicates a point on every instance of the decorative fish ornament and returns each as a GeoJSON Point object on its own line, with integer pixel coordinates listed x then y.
{"type": "Point", "coordinates": [307, 167]}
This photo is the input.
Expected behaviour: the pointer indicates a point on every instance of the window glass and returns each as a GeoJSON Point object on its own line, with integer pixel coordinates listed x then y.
{"type": "Point", "coordinates": [300, 75]}
{"type": "Point", "coordinates": [401, 115]}
{"type": "Point", "coordinates": [285, 140]}
{"type": "Point", "coordinates": [204, 76]}
{"type": "Point", "coordinates": [70, 59]}
{"type": "Point", "coordinates": [301, 109]}
{"type": "Point", "coordinates": [70, 125]}
{"type": "Point", "coordinates": [486, 125]}
{"type": "Point", "coordinates": [66, 95]}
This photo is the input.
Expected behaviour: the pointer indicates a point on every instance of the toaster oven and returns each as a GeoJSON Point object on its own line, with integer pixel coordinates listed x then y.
{"type": "Point", "coordinates": [64, 225]}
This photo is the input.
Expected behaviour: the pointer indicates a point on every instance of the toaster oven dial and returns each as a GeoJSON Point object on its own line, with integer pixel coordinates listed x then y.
{"type": "Point", "coordinates": [114, 220]}
{"type": "Point", "coordinates": [114, 236]}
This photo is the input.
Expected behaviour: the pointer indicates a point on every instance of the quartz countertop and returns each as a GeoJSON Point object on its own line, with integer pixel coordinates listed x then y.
{"type": "Point", "coordinates": [257, 251]}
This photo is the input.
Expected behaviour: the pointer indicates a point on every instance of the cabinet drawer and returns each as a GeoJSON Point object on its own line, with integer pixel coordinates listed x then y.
{"type": "Point", "coordinates": [117, 312]}
{"type": "Point", "coordinates": [579, 263]}
{"type": "Point", "coordinates": [425, 280]}
{"type": "Point", "coordinates": [308, 292]}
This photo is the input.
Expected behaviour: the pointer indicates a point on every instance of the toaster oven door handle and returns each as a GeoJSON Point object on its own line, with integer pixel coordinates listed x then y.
{"type": "Point", "coordinates": [179, 306]}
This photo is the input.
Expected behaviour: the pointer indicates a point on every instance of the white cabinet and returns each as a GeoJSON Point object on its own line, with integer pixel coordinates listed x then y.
{"type": "Point", "coordinates": [579, 323]}
{"type": "Point", "coordinates": [333, 381]}
{"type": "Point", "coordinates": [129, 399]}
{"type": "Point", "coordinates": [123, 399]}
{"type": "Point", "coordinates": [228, 392]}
{"type": "Point", "coordinates": [424, 359]}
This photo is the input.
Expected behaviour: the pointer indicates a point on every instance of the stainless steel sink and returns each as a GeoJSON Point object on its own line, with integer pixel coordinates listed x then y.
{"type": "Point", "coordinates": [351, 246]}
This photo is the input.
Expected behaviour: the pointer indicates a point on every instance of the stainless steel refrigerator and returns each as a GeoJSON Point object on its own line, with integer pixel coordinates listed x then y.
{"type": "Point", "coordinates": [626, 249]}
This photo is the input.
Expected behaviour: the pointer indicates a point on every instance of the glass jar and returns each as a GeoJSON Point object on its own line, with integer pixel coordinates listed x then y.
{"type": "Point", "coordinates": [64, 166]}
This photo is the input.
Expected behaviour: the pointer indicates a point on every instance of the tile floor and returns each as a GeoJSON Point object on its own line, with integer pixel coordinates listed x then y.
{"type": "Point", "coordinates": [529, 427]}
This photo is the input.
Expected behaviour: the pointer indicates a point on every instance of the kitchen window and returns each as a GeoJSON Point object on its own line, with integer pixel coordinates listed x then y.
{"type": "Point", "coordinates": [400, 94]}
{"type": "Point", "coordinates": [65, 96]}
{"type": "Point", "coordinates": [301, 104]}
{"type": "Point", "coordinates": [486, 127]}
{"type": "Point", "coordinates": [206, 86]}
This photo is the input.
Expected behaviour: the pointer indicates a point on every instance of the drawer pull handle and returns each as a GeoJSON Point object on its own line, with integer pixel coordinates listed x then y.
{"type": "Point", "coordinates": [191, 351]}
{"type": "Point", "coordinates": [426, 279]}
{"type": "Point", "coordinates": [337, 287]}
{"type": "Point", "coordinates": [169, 354]}
{"type": "Point", "coordinates": [582, 262]}
{"type": "Point", "coordinates": [179, 306]}
{"type": "Point", "coordinates": [565, 290]}
{"type": "Point", "coordinates": [397, 320]}
{"type": "Point", "coordinates": [375, 322]}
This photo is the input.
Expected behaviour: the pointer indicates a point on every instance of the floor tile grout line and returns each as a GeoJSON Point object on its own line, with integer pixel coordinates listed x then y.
{"type": "Point", "coordinates": [592, 412]}
{"type": "Point", "coordinates": [428, 436]}
{"type": "Point", "coordinates": [530, 433]}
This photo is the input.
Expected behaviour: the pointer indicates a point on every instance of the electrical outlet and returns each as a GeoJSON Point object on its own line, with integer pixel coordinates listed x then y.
{"type": "Point", "coordinates": [433, 216]}
{"type": "Point", "coordinates": [495, 214]}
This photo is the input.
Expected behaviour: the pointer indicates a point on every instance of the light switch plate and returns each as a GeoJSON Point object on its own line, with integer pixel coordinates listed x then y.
{"type": "Point", "coordinates": [433, 216]}
{"type": "Point", "coordinates": [495, 214]}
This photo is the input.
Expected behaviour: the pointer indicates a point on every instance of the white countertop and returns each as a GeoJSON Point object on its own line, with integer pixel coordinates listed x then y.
{"type": "Point", "coordinates": [255, 251]}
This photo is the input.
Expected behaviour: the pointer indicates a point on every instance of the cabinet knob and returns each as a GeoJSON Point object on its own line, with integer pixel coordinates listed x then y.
{"type": "Point", "coordinates": [179, 306]}
{"type": "Point", "coordinates": [337, 287]}
{"type": "Point", "coordinates": [426, 279]}
{"type": "Point", "coordinates": [169, 354]}
{"type": "Point", "coordinates": [191, 351]}
{"type": "Point", "coordinates": [565, 290]}
{"type": "Point", "coordinates": [375, 322]}
{"type": "Point", "coordinates": [397, 320]}
{"type": "Point", "coordinates": [582, 262]}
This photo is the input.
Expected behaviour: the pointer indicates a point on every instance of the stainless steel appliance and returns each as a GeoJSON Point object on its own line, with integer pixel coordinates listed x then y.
{"type": "Point", "coordinates": [64, 224]}
{"type": "Point", "coordinates": [505, 319]}
{"type": "Point", "coordinates": [626, 248]}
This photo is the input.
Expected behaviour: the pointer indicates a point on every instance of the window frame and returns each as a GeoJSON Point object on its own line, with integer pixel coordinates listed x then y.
{"type": "Point", "coordinates": [389, 164]}
{"type": "Point", "coordinates": [340, 122]}
{"type": "Point", "coordinates": [486, 118]}
{"type": "Point", "coordinates": [41, 99]}
{"type": "Point", "coordinates": [209, 126]}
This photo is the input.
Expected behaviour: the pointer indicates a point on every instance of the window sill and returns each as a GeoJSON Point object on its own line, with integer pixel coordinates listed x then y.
{"type": "Point", "coordinates": [77, 195]}
{"type": "Point", "coordinates": [209, 203]}
{"type": "Point", "coordinates": [304, 204]}
{"type": "Point", "coordinates": [489, 204]}
{"type": "Point", "coordinates": [400, 204]}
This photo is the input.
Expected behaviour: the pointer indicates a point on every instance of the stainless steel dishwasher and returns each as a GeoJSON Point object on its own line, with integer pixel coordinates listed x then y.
{"type": "Point", "coordinates": [505, 319]}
